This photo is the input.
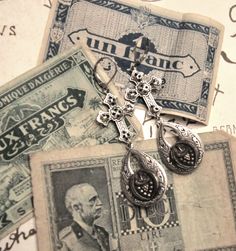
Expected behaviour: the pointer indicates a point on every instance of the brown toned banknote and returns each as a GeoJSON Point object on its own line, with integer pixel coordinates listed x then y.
{"type": "Point", "coordinates": [79, 204]}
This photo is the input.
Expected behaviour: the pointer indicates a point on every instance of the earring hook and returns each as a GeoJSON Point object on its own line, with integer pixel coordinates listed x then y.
{"type": "Point", "coordinates": [103, 85]}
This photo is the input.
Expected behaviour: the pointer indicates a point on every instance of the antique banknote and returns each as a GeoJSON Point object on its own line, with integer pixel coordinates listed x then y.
{"type": "Point", "coordinates": [198, 211]}
{"type": "Point", "coordinates": [184, 49]}
{"type": "Point", "coordinates": [53, 106]}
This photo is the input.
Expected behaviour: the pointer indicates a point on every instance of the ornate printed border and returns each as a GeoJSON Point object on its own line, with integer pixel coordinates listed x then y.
{"type": "Point", "coordinates": [172, 104]}
{"type": "Point", "coordinates": [224, 146]}
{"type": "Point", "coordinates": [208, 32]}
{"type": "Point", "coordinates": [229, 248]}
{"type": "Point", "coordinates": [48, 170]}
{"type": "Point", "coordinates": [172, 222]}
{"type": "Point", "coordinates": [159, 20]}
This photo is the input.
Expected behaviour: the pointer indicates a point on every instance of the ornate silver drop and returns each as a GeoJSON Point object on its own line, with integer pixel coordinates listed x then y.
{"type": "Point", "coordinates": [146, 185]}
{"type": "Point", "coordinates": [185, 155]}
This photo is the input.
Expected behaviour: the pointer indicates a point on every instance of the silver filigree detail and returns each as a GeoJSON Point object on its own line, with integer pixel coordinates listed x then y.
{"type": "Point", "coordinates": [117, 113]}
{"type": "Point", "coordinates": [185, 155]}
{"type": "Point", "coordinates": [146, 185]}
{"type": "Point", "coordinates": [144, 89]}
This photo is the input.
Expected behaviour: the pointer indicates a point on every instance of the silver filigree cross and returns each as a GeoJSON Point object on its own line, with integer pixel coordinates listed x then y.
{"type": "Point", "coordinates": [144, 89]}
{"type": "Point", "coordinates": [117, 114]}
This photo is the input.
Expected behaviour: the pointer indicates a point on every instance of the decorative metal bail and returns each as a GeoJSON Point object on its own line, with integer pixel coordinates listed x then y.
{"type": "Point", "coordinates": [185, 155]}
{"type": "Point", "coordinates": [144, 186]}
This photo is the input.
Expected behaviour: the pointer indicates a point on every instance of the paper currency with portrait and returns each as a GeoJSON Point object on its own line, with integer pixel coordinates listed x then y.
{"type": "Point", "coordinates": [52, 106]}
{"type": "Point", "coordinates": [184, 49]}
{"type": "Point", "coordinates": [78, 200]}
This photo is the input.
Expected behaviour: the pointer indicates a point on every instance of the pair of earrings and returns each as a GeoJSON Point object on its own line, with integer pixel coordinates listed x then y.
{"type": "Point", "coordinates": [145, 186]}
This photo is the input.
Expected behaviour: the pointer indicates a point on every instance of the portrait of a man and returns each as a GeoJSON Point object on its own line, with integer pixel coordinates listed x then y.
{"type": "Point", "coordinates": [84, 205]}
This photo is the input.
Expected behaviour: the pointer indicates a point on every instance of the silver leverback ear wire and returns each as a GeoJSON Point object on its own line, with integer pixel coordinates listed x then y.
{"type": "Point", "coordinates": [116, 112]}
{"type": "Point", "coordinates": [144, 186]}
{"type": "Point", "coordinates": [97, 78]}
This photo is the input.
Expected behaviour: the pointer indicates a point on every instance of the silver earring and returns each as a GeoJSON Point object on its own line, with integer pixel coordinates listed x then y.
{"type": "Point", "coordinates": [185, 155]}
{"type": "Point", "coordinates": [144, 186]}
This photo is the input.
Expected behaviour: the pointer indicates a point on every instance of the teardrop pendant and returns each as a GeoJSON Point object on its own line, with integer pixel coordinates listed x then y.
{"type": "Point", "coordinates": [185, 155]}
{"type": "Point", "coordinates": [146, 185]}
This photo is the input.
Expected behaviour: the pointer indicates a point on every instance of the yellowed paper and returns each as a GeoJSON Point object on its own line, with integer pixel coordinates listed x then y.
{"type": "Point", "coordinates": [197, 212]}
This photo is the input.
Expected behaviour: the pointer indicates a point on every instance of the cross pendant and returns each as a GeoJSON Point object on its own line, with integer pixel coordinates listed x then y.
{"type": "Point", "coordinates": [117, 114]}
{"type": "Point", "coordinates": [144, 89]}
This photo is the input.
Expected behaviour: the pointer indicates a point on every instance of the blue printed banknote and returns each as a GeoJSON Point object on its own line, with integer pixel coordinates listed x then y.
{"type": "Point", "coordinates": [182, 48]}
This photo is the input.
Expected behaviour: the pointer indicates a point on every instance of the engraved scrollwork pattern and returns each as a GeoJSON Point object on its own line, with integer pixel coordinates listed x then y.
{"type": "Point", "coordinates": [185, 155]}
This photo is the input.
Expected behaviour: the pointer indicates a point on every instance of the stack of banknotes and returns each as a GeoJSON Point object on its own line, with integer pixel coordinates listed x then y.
{"type": "Point", "coordinates": [51, 143]}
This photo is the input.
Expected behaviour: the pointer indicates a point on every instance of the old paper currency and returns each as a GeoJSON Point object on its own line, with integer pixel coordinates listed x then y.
{"type": "Point", "coordinates": [183, 48]}
{"type": "Point", "coordinates": [222, 117]}
{"type": "Point", "coordinates": [21, 37]}
{"type": "Point", "coordinates": [19, 51]}
{"type": "Point", "coordinates": [198, 211]}
{"type": "Point", "coordinates": [53, 106]}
